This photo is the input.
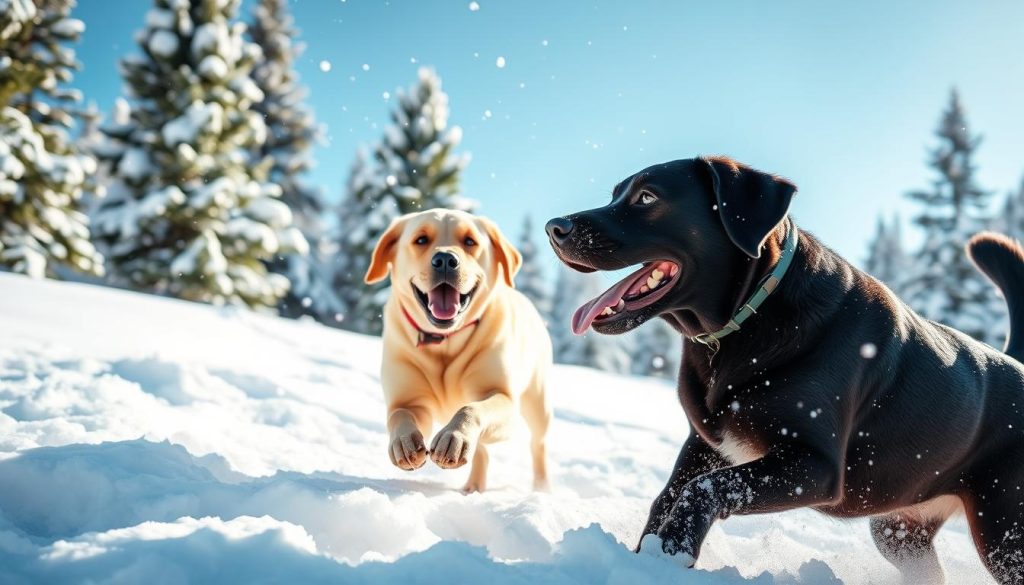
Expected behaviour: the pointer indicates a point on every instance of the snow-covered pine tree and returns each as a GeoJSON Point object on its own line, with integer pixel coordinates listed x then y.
{"type": "Point", "coordinates": [42, 174]}
{"type": "Point", "coordinates": [189, 212]}
{"type": "Point", "coordinates": [530, 279]}
{"type": "Point", "coordinates": [603, 352]}
{"type": "Point", "coordinates": [887, 261]}
{"type": "Point", "coordinates": [365, 212]}
{"type": "Point", "coordinates": [945, 286]}
{"type": "Point", "coordinates": [413, 168]}
{"type": "Point", "coordinates": [656, 349]}
{"type": "Point", "coordinates": [291, 132]}
{"type": "Point", "coordinates": [416, 155]}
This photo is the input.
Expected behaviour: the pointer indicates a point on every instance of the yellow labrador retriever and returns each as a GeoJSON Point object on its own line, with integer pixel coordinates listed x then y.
{"type": "Point", "coordinates": [461, 345]}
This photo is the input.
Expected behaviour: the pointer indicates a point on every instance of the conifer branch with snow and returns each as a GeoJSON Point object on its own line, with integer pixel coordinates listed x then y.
{"type": "Point", "coordinates": [190, 211]}
{"type": "Point", "coordinates": [291, 133]}
{"type": "Point", "coordinates": [43, 176]}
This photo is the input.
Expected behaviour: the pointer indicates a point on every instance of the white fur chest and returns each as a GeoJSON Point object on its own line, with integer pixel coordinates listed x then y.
{"type": "Point", "coordinates": [737, 451]}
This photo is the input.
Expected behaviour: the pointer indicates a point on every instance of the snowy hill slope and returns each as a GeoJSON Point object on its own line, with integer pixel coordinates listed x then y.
{"type": "Point", "coordinates": [144, 437]}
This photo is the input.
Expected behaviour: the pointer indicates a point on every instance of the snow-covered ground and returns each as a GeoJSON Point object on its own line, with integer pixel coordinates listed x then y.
{"type": "Point", "coordinates": [149, 440]}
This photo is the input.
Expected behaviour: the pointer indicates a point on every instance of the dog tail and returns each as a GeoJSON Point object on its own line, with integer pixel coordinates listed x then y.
{"type": "Point", "coordinates": [1001, 259]}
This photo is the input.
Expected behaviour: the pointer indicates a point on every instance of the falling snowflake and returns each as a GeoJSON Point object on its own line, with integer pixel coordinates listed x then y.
{"type": "Point", "coordinates": [325, 66]}
{"type": "Point", "coordinates": [386, 95]}
{"type": "Point", "coordinates": [487, 114]}
{"type": "Point", "coordinates": [473, 6]}
{"type": "Point", "coordinates": [366, 66]}
{"type": "Point", "coordinates": [500, 62]}
{"type": "Point", "coordinates": [868, 351]}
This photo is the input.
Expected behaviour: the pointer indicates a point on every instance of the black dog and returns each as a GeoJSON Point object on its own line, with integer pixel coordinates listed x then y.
{"type": "Point", "coordinates": [834, 395]}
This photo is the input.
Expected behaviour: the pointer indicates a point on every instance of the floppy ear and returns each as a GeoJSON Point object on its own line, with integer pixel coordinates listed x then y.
{"type": "Point", "coordinates": [750, 203]}
{"type": "Point", "coordinates": [384, 252]}
{"type": "Point", "coordinates": [508, 257]}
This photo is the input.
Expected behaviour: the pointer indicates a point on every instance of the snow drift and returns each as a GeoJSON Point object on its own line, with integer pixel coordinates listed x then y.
{"type": "Point", "coordinates": [142, 436]}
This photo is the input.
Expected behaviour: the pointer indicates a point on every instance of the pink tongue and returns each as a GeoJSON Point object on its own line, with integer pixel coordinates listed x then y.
{"type": "Point", "coordinates": [586, 314]}
{"type": "Point", "coordinates": [443, 301]}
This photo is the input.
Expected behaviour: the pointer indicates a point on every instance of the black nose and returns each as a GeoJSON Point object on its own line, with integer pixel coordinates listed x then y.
{"type": "Point", "coordinates": [444, 261]}
{"type": "Point", "coordinates": [558, 229]}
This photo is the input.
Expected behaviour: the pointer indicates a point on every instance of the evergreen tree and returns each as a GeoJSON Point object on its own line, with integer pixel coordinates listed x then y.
{"type": "Point", "coordinates": [189, 211]}
{"type": "Point", "coordinates": [887, 260]}
{"type": "Point", "coordinates": [291, 132]}
{"type": "Point", "coordinates": [603, 352]}
{"type": "Point", "coordinates": [657, 349]}
{"type": "Point", "coordinates": [413, 168]}
{"type": "Point", "coordinates": [946, 287]}
{"type": "Point", "coordinates": [416, 155]}
{"type": "Point", "coordinates": [530, 279]}
{"type": "Point", "coordinates": [1011, 222]}
{"type": "Point", "coordinates": [90, 141]}
{"type": "Point", "coordinates": [42, 174]}
{"type": "Point", "coordinates": [365, 213]}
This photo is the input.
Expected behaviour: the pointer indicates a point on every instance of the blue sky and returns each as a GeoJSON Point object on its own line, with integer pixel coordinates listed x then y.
{"type": "Point", "coordinates": [842, 98]}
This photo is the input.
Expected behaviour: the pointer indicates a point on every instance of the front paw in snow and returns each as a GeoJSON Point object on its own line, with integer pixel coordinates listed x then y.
{"type": "Point", "coordinates": [408, 451]}
{"type": "Point", "coordinates": [653, 545]}
{"type": "Point", "coordinates": [451, 448]}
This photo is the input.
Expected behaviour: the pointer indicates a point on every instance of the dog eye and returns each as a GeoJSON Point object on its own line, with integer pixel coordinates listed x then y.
{"type": "Point", "coordinates": [469, 241]}
{"type": "Point", "coordinates": [645, 198]}
{"type": "Point", "coordinates": [421, 241]}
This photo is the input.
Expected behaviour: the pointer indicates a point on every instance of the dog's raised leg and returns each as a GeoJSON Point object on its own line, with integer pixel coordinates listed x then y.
{"type": "Point", "coordinates": [484, 420]}
{"type": "Point", "coordinates": [695, 459]}
{"type": "Point", "coordinates": [907, 543]}
{"type": "Point", "coordinates": [407, 447]}
{"type": "Point", "coordinates": [792, 477]}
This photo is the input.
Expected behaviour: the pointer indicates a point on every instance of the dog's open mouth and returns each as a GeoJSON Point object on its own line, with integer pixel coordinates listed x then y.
{"type": "Point", "coordinates": [443, 303]}
{"type": "Point", "coordinates": [638, 290]}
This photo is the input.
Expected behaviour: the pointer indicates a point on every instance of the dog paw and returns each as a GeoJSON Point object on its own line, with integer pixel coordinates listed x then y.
{"type": "Point", "coordinates": [651, 544]}
{"type": "Point", "coordinates": [408, 451]}
{"type": "Point", "coordinates": [450, 448]}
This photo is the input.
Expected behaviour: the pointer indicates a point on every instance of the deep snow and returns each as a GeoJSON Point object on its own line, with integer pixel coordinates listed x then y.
{"type": "Point", "coordinates": [150, 440]}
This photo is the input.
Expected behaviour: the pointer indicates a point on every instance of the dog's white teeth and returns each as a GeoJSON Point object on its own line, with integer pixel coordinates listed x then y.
{"type": "Point", "coordinates": [657, 274]}
{"type": "Point", "coordinates": [621, 305]}
{"type": "Point", "coordinates": [652, 283]}
{"type": "Point", "coordinates": [645, 289]}
{"type": "Point", "coordinates": [607, 311]}
{"type": "Point", "coordinates": [673, 270]}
